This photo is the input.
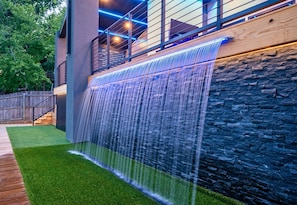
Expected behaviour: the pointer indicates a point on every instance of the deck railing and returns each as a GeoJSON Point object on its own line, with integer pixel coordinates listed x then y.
{"type": "Point", "coordinates": [43, 107]}
{"type": "Point", "coordinates": [60, 74]}
{"type": "Point", "coordinates": [155, 25]}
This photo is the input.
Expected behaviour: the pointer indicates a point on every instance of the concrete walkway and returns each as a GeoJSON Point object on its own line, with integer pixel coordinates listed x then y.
{"type": "Point", "coordinates": [12, 189]}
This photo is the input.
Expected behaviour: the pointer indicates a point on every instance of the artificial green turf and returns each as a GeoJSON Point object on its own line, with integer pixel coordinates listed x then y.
{"type": "Point", "coordinates": [54, 176]}
{"type": "Point", "coordinates": [203, 196]}
{"type": "Point", "coordinates": [23, 137]}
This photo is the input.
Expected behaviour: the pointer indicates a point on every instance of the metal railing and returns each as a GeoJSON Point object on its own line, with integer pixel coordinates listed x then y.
{"type": "Point", "coordinates": [155, 25]}
{"type": "Point", "coordinates": [114, 45]}
{"type": "Point", "coordinates": [45, 106]}
{"type": "Point", "coordinates": [60, 74]}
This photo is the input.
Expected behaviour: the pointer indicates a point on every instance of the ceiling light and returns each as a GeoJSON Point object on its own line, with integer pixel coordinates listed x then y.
{"type": "Point", "coordinates": [128, 25]}
{"type": "Point", "coordinates": [116, 39]}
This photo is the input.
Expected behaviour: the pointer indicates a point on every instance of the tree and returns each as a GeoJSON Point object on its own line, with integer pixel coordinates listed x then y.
{"type": "Point", "coordinates": [27, 44]}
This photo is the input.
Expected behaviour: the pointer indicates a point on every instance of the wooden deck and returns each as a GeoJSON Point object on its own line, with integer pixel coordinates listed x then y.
{"type": "Point", "coordinates": [12, 190]}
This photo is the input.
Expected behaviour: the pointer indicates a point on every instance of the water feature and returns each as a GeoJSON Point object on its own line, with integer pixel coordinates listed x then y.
{"type": "Point", "coordinates": [145, 123]}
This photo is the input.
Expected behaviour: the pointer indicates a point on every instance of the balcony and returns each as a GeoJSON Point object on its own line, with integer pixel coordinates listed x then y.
{"type": "Point", "coordinates": [60, 74]}
{"type": "Point", "coordinates": [153, 26]}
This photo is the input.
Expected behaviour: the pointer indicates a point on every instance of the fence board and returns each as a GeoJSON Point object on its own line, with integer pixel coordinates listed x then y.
{"type": "Point", "coordinates": [19, 106]}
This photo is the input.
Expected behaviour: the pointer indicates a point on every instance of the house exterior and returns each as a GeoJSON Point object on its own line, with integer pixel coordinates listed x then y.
{"type": "Point", "coordinates": [262, 32]}
{"type": "Point", "coordinates": [81, 27]}
{"type": "Point", "coordinates": [73, 45]}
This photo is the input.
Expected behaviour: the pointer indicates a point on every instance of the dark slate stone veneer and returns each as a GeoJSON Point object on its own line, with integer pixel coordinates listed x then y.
{"type": "Point", "coordinates": [249, 149]}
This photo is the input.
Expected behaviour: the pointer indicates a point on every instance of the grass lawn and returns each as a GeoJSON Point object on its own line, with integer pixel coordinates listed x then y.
{"type": "Point", "coordinates": [54, 176]}
{"type": "Point", "coordinates": [23, 137]}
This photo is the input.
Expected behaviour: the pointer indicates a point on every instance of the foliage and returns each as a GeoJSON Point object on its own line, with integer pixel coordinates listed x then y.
{"type": "Point", "coordinates": [27, 44]}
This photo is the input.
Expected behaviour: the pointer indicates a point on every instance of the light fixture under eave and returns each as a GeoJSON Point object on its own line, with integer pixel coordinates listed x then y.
{"type": "Point", "coordinates": [116, 39]}
{"type": "Point", "coordinates": [128, 25]}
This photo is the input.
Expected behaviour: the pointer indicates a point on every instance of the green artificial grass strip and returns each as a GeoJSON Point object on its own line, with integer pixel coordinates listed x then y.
{"type": "Point", "coordinates": [203, 196]}
{"type": "Point", "coordinates": [54, 176]}
{"type": "Point", "coordinates": [23, 137]}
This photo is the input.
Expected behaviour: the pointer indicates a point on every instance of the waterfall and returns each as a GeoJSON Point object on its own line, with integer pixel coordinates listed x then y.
{"type": "Point", "coordinates": [145, 123]}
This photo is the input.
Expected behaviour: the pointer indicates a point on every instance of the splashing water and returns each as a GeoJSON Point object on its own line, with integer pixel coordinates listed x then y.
{"type": "Point", "coordinates": [145, 123]}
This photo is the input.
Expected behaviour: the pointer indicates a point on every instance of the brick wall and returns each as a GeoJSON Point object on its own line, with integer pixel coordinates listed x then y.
{"type": "Point", "coordinates": [249, 149]}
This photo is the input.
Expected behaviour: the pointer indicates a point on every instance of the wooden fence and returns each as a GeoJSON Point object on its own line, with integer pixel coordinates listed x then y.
{"type": "Point", "coordinates": [18, 107]}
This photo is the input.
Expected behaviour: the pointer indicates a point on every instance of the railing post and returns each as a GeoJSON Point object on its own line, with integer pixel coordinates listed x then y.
{"type": "Point", "coordinates": [162, 46]}
{"type": "Point", "coordinates": [54, 103]}
{"type": "Point", "coordinates": [24, 106]}
{"type": "Point", "coordinates": [108, 50]}
{"type": "Point", "coordinates": [65, 68]}
{"type": "Point", "coordinates": [130, 37]}
{"type": "Point", "coordinates": [92, 54]}
{"type": "Point", "coordinates": [59, 75]}
{"type": "Point", "coordinates": [204, 15]}
{"type": "Point", "coordinates": [97, 54]}
{"type": "Point", "coordinates": [219, 14]}
{"type": "Point", "coordinates": [33, 115]}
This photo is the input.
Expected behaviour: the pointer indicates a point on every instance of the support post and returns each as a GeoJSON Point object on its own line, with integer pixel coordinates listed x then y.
{"type": "Point", "coordinates": [204, 15]}
{"type": "Point", "coordinates": [108, 49]}
{"type": "Point", "coordinates": [163, 10]}
{"type": "Point", "coordinates": [219, 14]}
{"type": "Point", "coordinates": [24, 106]}
{"type": "Point", "coordinates": [33, 110]}
{"type": "Point", "coordinates": [130, 37]}
{"type": "Point", "coordinates": [92, 54]}
{"type": "Point", "coordinates": [82, 21]}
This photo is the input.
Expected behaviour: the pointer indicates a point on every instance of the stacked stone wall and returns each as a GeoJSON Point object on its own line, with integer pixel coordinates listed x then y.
{"type": "Point", "coordinates": [116, 56]}
{"type": "Point", "coordinates": [249, 149]}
